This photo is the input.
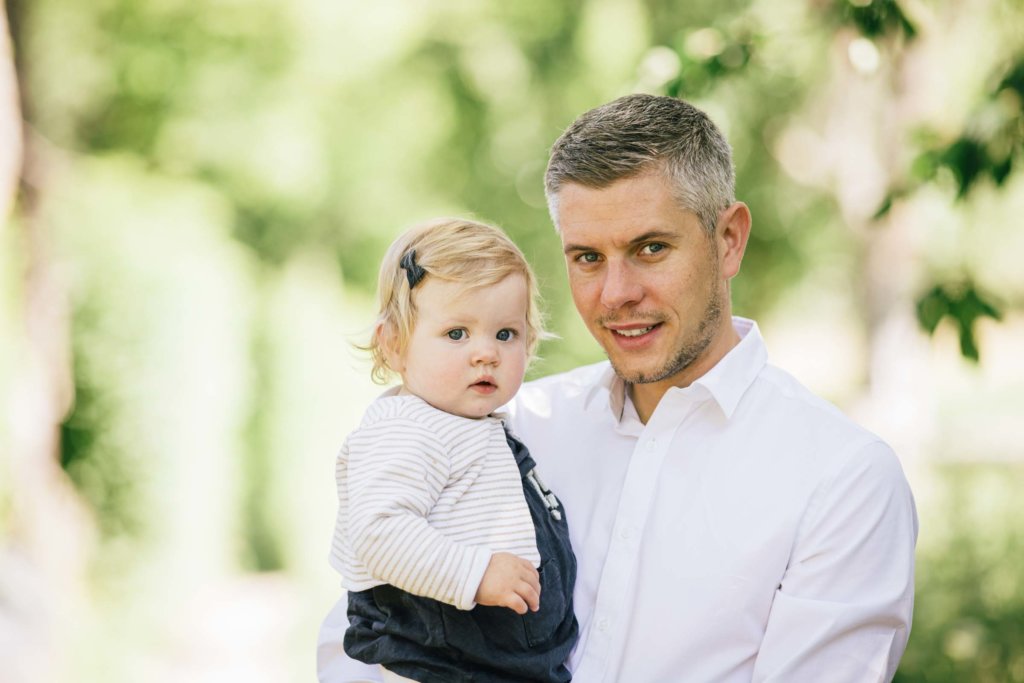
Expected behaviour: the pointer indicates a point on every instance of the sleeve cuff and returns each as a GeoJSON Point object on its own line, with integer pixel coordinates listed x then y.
{"type": "Point", "coordinates": [478, 565]}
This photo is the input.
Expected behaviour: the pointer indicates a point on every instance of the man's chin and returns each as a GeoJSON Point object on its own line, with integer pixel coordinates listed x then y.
{"type": "Point", "coordinates": [637, 375]}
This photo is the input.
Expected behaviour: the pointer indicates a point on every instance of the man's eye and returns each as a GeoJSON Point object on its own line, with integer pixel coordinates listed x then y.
{"type": "Point", "coordinates": [588, 257]}
{"type": "Point", "coordinates": [653, 248]}
{"type": "Point", "coordinates": [456, 334]}
{"type": "Point", "coordinates": [506, 334]}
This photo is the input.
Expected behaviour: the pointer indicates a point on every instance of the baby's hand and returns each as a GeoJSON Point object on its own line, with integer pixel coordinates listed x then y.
{"type": "Point", "coordinates": [511, 582]}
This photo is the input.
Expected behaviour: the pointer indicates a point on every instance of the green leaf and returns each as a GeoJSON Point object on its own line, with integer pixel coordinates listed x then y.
{"type": "Point", "coordinates": [1001, 171]}
{"type": "Point", "coordinates": [908, 27]}
{"type": "Point", "coordinates": [878, 18]}
{"type": "Point", "coordinates": [884, 208]}
{"type": "Point", "coordinates": [967, 159]}
{"type": "Point", "coordinates": [964, 304]}
{"type": "Point", "coordinates": [932, 308]}
{"type": "Point", "coordinates": [1014, 78]}
{"type": "Point", "coordinates": [979, 307]}
{"type": "Point", "coordinates": [925, 165]}
{"type": "Point", "coordinates": [968, 345]}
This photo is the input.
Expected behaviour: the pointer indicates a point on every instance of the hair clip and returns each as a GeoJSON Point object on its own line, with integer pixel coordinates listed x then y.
{"type": "Point", "coordinates": [413, 271]}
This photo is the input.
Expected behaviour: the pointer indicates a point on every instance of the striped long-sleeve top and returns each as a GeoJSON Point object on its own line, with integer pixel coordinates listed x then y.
{"type": "Point", "coordinates": [424, 499]}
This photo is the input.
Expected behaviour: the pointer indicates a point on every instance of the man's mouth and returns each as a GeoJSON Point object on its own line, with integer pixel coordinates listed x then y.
{"type": "Point", "coordinates": [633, 331]}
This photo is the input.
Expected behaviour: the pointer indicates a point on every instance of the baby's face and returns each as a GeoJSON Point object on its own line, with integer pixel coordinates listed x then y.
{"type": "Point", "coordinates": [467, 353]}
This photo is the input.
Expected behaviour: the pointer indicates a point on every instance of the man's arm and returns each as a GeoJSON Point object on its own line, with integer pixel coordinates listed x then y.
{"type": "Point", "coordinates": [844, 607]}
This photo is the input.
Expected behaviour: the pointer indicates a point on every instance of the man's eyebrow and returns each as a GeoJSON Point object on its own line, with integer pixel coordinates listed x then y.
{"type": "Point", "coordinates": [650, 235]}
{"type": "Point", "coordinates": [654, 235]}
{"type": "Point", "coordinates": [575, 247]}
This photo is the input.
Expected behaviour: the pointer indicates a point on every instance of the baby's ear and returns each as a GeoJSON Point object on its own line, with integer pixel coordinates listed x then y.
{"type": "Point", "coordinates": [386, 337]}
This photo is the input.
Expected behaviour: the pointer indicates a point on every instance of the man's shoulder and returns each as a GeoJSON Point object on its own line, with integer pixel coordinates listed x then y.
{"type": "Point", "coordinates": [785, 387]}
{"type": "Point", "coordinates": [796, 410]}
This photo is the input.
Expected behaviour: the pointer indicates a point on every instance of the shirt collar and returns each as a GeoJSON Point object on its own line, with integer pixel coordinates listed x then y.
{"type": "Point", "coordinates": [498, 415]}
{"type": "Point", "coordinates": [725, 383]}
{"type": "Point", "coordinates": [608, 393]}
{"type": "Point", "coordinates": [730, 378]}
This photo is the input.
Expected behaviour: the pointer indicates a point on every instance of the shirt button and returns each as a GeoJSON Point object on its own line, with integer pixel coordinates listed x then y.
{"type": "Point", "coordinates": [651, 444]}
{"type": "Point", "coordinates": [625, 533]}
{"type": "Point", "coordinates": [602, 624]}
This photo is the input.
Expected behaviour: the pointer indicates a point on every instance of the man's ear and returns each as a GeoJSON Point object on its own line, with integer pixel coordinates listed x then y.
{"type": "Point", "coordinates": [387, 339]}
{"type": "Point", "coordinates": [732, 234]}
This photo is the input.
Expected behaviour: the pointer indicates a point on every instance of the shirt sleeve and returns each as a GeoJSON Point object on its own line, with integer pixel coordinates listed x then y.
{"type": "Point", "coordinates": [395, 476]}
{"type": "Point", "coordinates": [332, 664]}
{"type": "Point", "coordinates": [844, 607]}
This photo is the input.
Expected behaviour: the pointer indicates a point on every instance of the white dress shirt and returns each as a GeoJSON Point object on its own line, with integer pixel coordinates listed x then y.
{"type": "Point", "coordinates": [748, 532]}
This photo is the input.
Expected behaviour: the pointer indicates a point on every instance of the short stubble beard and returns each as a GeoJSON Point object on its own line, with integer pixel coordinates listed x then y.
{"type": "Point", "coordinates": [687, 353]}
{"type": "Point", "coordinates": [689, 350]}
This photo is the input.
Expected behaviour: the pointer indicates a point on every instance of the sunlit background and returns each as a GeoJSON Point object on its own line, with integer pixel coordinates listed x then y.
{"type": "Point", "coordinates": [194, 198]}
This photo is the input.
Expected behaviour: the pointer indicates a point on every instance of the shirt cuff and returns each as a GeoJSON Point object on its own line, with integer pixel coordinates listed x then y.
{"type": "Point", "coordinates": [478, 565]}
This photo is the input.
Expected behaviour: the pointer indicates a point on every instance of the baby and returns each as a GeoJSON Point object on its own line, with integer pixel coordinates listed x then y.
{"type": "Point", "coordinates": [455, 555]}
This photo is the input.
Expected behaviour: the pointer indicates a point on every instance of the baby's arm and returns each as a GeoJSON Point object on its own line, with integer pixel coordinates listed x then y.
{"type": "Point", "coordinates": [396, 472]}
{"type": "Point", "coordinates": [510, 581]}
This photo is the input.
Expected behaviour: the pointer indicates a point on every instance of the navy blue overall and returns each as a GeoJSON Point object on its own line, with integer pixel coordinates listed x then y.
{"type": "Point", "coordinates": [433, 642]}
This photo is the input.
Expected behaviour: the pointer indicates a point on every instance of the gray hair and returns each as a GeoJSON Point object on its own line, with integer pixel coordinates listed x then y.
{"type": "Point", "coordinates": [637, 134]}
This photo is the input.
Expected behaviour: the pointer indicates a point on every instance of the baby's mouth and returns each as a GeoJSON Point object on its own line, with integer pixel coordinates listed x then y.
{"type": "Point", "coordinates": [484, 386]}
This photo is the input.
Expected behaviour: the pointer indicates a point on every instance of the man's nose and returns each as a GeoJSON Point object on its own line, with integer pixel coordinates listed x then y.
{"type": "Point", "coordinates": [621, 286]}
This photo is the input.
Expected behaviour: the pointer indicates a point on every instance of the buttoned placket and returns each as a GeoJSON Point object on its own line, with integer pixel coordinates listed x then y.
{"type": "Point", "coordinates": [610, 616]}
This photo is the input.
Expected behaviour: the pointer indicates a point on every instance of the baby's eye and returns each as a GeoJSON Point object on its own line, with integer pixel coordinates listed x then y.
{"type": "Point", "coordinates": [457, 334]}
{"type": "Point", "coordinates": [506, 334]}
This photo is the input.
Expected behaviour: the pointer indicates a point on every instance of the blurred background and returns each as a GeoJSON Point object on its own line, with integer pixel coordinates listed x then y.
{"type": "Point", "coordinates": [195, 195]}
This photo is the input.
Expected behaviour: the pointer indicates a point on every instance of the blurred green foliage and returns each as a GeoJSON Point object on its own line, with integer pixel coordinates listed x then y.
{"type": "Point", "coordinates": [990, 146]}
{"type": "Point", "coordinates": [193, 161]}
{"type": "Point", "coordinates": [319, 140]}
{"type": "Point", "coordinates": [969, 609]}
{"type": "Point", "coordinates": [993, 141]}
{"type": "Point", "coordinates": [963, 304]}
{"type": "Point", "coordinates": [875, 18]}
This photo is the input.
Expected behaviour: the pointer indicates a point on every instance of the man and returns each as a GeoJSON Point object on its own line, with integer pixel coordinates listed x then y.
{"type": "Point", "coordinates": [729, 525]}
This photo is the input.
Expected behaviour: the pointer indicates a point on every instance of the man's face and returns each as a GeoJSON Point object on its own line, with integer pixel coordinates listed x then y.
{"type": "Point", "coordinates": [645, 277]}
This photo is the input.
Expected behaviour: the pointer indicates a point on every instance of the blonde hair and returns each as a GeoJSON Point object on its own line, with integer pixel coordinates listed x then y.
{"type": "Point", "coordinates": [453, 249]}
